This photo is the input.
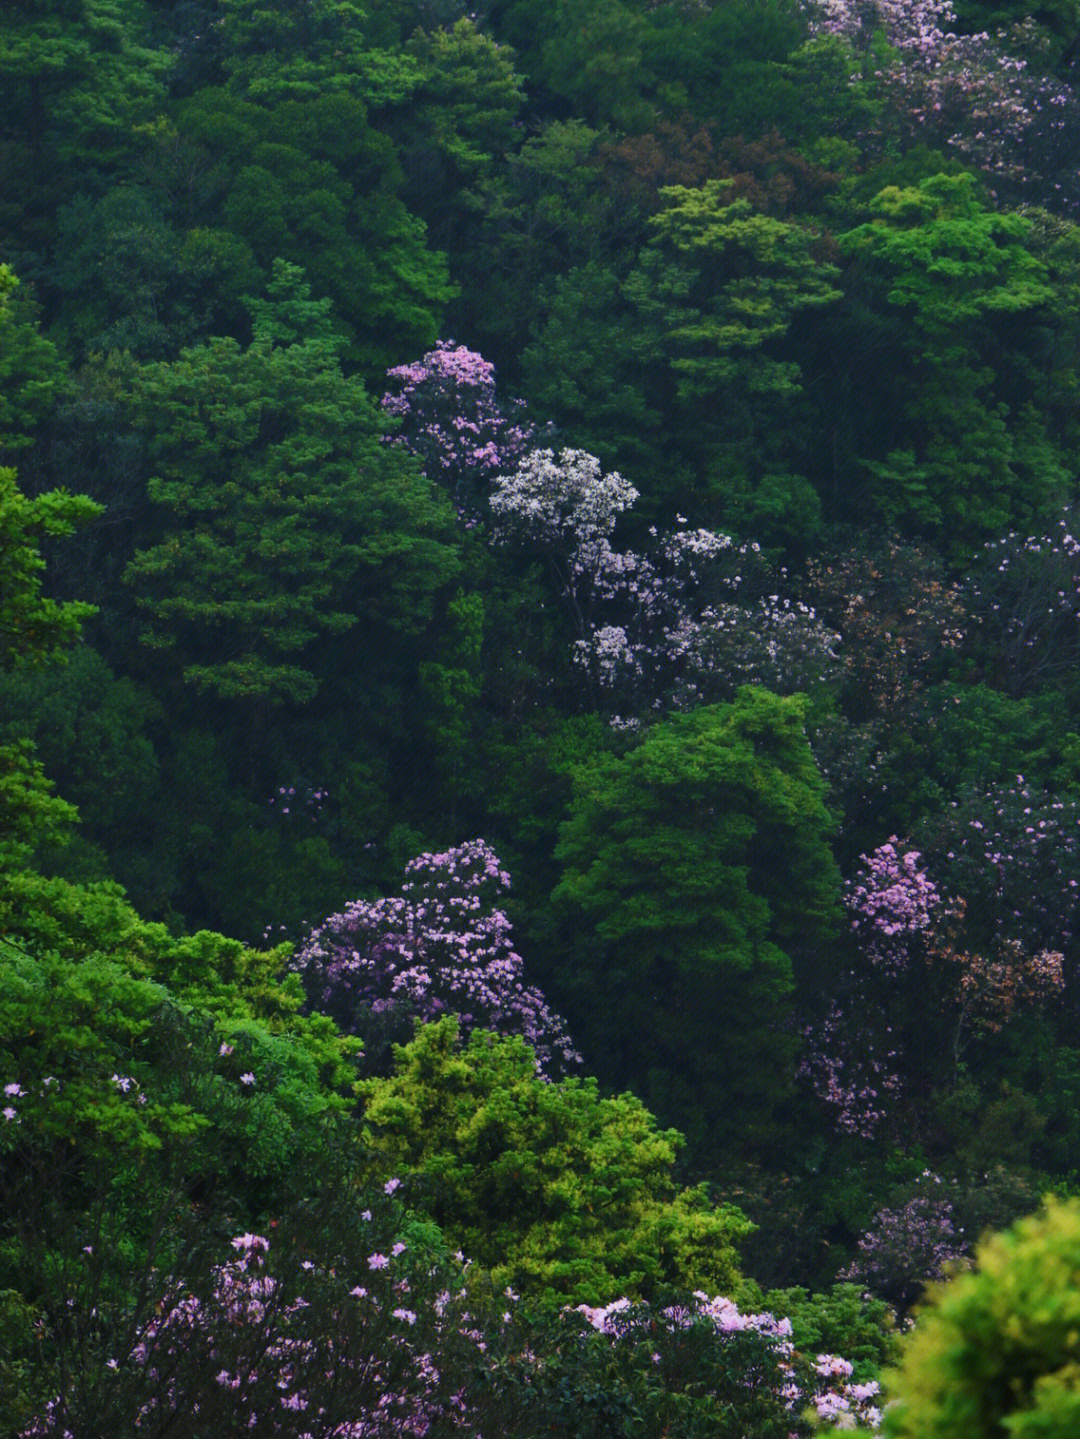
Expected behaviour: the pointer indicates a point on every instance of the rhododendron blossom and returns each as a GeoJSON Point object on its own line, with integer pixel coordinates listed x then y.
{"type": "Point", "coordinates": [824, 1384]}
{"type": "Point", "coordinates": [439, 947]}
{"type": "Point", "coordinates": [908, 1246]}
{"type": "Point", "coordinates": [566, 499]}
{"type": "Point", "coordinates": [891, 902]}
{"type": "Point", "coordinates": [451, 420]}
{"type": "Point", "coordinates": [977, 94]}
{"type": "Point", "coordinates": [692, 620]}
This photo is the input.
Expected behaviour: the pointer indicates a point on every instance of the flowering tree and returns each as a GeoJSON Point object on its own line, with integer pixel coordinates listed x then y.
{"type": "Point", "coordinates": [271, 1346]}
{"type": "Point", "coordinates": [1012, 852]}
{"type": "Point", "coordinates": [452, 420]}
{"type": "Point", "coordinates": [908, 1246]}
{"type": "Point", "coordinates": [978, 94]}
{"type": "Point", "coordinates": [567, 508]}
{"type": "Point", "coordinates": [682, 624]}
{"type": "Point", "coordinates": [568, 500]}
{"type": "Point", "coordinates": [754, 1353]}
{"type": "Point", "coordinates": [270, 1343]}
{"type": "Point", "coordinates": [852, 1056]}
{"type": "Point", "coordinates": [920, 957]}
{"type": "Point", "coordinates": [891, 903]}
{"type": "Point", "coordinates": [849, 1062]}
{"type": "Point", "coordinates": [439, 947]}
{"type": "Point", "coordinates": [1026, 594]}
{"type": "Point", "coordinates": [692, 620]}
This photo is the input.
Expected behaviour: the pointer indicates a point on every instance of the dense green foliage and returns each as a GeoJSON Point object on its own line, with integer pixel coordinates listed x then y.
{"type": "Point", "coordinates": [561, 1192]}
{"type": "Point", "coordinates": [642, 436]}
{"type": "Point", "coordinates": [995, 1350]}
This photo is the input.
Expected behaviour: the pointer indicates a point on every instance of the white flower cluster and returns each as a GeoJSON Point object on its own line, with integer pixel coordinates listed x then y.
{"type": "Point", "coordinates": [568, 498]}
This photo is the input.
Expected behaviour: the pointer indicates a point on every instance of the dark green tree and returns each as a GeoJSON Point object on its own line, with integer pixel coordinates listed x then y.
{"type": "Point", "coordinates": [33, 629]}
{"type": "Point", "coordinates": [970, 455]}
{"type": "Point", "coordinates": [286, 517]}
{"type": "Point", "coordinates": [75, 77]}
{"type": "Point", "coordinates": [699, 864]}
{"type": "Point", "coordinates": [31, 369]}
{"type": "Point", "coordinates": [458, 126]}
{"type": "Point", "coordinates": [715, 293]}
{"type": "Point", "coordinates": [307, 177]}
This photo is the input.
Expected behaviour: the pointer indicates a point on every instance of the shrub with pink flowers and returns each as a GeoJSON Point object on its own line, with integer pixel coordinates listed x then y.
{"type": "Point", "coordinates": [985, 96]}
{"type": "Point", "coordinates": [909, 1244]}
{"type": "Point", "coordinates": [442, 946]}
{"type": "Point", "coordinates": [450, 418]}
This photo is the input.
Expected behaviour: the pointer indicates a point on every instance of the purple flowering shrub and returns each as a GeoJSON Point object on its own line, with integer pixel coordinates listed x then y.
{"type": "Point", "coordinates": [1012, 852]}
{"type": "Point", "coordinates": [971, 955]}
{"type": "Point", "coordinates": [370, 1343]}
{"type": "Point", "coordinates": [684, 623]}
{"type": "Point", "coordinates": [987, 97]}
{"type": "Point", "coordinates": [442, 946]}
{"type": "Point", "coordinates": [852, 1056]}
{"type": "Point", "coordinates": [272, 1344]}
{"type": "Point", "coordinates": [693, 619]}
{"type": "Point", "coordinates": [743, 1368]}
{"type": "Point", "coordinates": [850, 1059]}
{"type": "Point", "coordinates": [891, 904]}
{"type": "Point", "coordinates": [909, 1245]}
{"type": "Point", "coordinates": [450, 418]}
{"type": "Point", "coordinates": [1025, 592]}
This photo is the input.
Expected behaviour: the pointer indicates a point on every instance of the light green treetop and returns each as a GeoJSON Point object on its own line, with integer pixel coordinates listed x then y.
{"type": "Point", "coordinates": [557, 1190]}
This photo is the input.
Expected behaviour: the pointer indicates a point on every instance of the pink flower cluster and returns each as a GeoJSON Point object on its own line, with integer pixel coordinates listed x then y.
{"type": "Point", "coordinates": [693, 619]}
{"type": "Point", "coordinates": [1026, 593]}
{"type": "Point", "coordinates": [256, 1355]}
{"type": "Point", "coordinates": [976, 93]}
{"type": "Point", "coordinates": [850, 1066]}
{"type": "Point", "coordinates": [909, 1246]}
{"type": "Point", "coordinates": [829, 1391]}
{"type": "Point", "coordinates": [452, 420]}
{"type": "Point", "coordinates": [440, 946]}
{"type": "Point", "coordinates": [893, 901]}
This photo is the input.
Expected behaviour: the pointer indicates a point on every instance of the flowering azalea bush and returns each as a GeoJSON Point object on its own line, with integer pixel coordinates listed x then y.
{"type": "Point", "coordinates": [746, 1364]}
{"type": "Point", "coordinates": [1012, 852]}
{"type": "Point", "coordinates": [852, 1055]}
{"type": "Point", "coordinates": [451, 419]}
{"type": "Point", "coordinates": [944, 965]}
{"type": "Point", "coordinates": [851, 1061]}
{"type": "Point", "coordinates": [272, 1341]}
{"type": "Point", "coordinates": [1025, 592]}
{"type": "Point", "coordinates": [272, 1345]}
{"type": "Point", "coordinates": [987, 97]}
{"type": "Point", "coordinates": [440, 947]}
{"type": "Point", "coordinates": [892, 902]}
{"type": "Point", "coordinates": [684, 623]}
{"type": "Point", "coordinates": [568, 500]}
{"type": "Point", "coordinates": [693, 619]}
{"type": "Point", "coordinates": [909, 1244]}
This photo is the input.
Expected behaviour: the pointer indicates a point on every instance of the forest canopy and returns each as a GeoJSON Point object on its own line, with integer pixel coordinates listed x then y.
{"type": "Point", "coordinates": [539, 741]}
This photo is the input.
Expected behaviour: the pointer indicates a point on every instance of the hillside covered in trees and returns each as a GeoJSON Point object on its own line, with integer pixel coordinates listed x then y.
{"type": "Point", "coordinates": [539, 711]}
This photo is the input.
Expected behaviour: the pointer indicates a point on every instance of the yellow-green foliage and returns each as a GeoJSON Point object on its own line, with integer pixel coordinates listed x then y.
{"type": "Point", "coordinates": [997, 1351]}
{"type": "Point", "coordinates": [561, 1192]}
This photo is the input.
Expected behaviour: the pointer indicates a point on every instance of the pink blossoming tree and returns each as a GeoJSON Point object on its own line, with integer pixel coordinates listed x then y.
{"type": "Point", "coordinates": [442, 946]}
{"type": "Point", "coordinates": [451, 419]}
